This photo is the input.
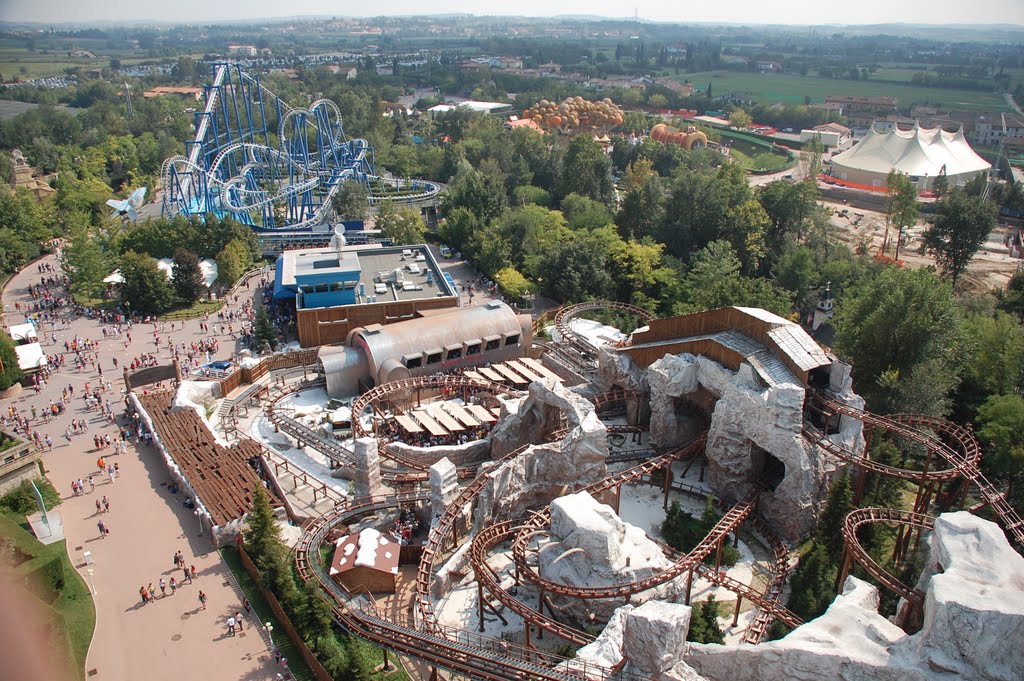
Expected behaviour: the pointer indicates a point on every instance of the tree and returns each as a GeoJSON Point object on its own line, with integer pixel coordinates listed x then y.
{"type": "Point", "coordinates": [902, 206]}
{"type": "Point", "coordinates": [575, 269]}
{"type": "Point", "coordinates": [403, 226]}
{"type": "Point", "coordinates": [263, 330]}
{"type": "Point", "coordinates": [480, 193]}
{"type": "Point", "coordinates": [810, 158]}
{"type": "Point", "coordinates": [642, 209]}
{"type": "Point", "coordinates": [530, 231]}
{"type": "Point", "coordinates": [186, 277]}
{"type": "Point", "coordinates": [351, 201]}
{"type": "Point", "coordinates": [85, 264]}
{"type": "Point", "coordinates": [11, 372]}
{"type": "Point", "coordinates": [583, 213]}
{"type": "Point", "coordinates": [740, 119]}
{"type": "Point", "coordinates": [587, 171]}
{"type": "Point", "coordinates": [959, 227]}
{"type": "Point", "coordinates": [145, 285]}
{"type": "Point", "coordinates": [891, 323]}
{"type": "Point", "coordinates": [233, 261]}
{"type": "Point", "coordinates": [788, 205]}
{"type": "Point", "coordinates": [513, 284]}
{"type": "Point", "coordinates": [829, 531]}
{"type": "Point", "coordinates": [1001, 421]}
{"type": "Point", "coordinates": [714, 280]}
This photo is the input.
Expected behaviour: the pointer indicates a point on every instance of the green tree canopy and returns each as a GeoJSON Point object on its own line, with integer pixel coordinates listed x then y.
{"type": "Point", "coordinates": [145, 285]}
{"type": "Point", "coordinates": [892, 323]}
{"type": "Point", "coordinates": [351, 201]}
{"type": "Point", "coordinates": [587, 171]}
{"type": "Point", "coordinates": [233, 261]}
{"type": "Point", "coordinates": [186, 277]}
{"type": "Point", "coordinates": [482, 194]}
{"type": "Point", "coordinates": [584, 213]}
{"type": "Point", "coordinates": [403, 225]}
{"type": "Point", "coordinates": [714, 280]}
{"type": "Point", "coordinates": [959, 227]}
{"type": "Point", "coordinates": [11, 373]}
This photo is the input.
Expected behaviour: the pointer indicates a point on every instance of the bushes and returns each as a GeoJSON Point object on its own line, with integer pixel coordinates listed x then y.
{"type": "Point", "coordinates": [683, 532]}
{"type": "Point", "coordinates": [22, 501]}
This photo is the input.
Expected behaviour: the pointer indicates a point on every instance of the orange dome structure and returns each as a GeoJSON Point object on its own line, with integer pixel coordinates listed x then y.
{"type": "Point", "coordinates": [691, 139]}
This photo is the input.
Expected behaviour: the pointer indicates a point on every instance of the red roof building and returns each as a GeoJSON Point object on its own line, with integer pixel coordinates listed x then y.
{"type": "Point", "coordinates": [514, 122]}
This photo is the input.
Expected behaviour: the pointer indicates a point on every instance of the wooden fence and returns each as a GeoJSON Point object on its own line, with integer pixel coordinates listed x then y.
{"type": "Point", "coordinates": [289, 629]}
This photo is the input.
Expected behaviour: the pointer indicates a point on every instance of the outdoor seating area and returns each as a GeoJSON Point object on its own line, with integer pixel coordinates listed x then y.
{"type": "Point", "coordinates": [439, 423]}
{"type": "Point", "coordinates": [517, 373]}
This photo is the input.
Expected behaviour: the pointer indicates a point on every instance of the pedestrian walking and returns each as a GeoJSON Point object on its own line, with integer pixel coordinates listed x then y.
{"type": "Point", "coordinates": [99, 507]}
{"type": "Point", "coordinates": [174, 585]}
{"type": "Point", "coordinates": [188, 575]}
{"type": "Point", "coordinates": [92, 484]}
{"type": "Point", "coordinates": [238, 620]}
{"type": "Point", "coordinates": [103, 529]}
{"type": "Point", "coordinates": [231, 626]}
{"type": "Point", "coordinates": [152, 592]}
{"type": "Point", "coordinates": [202, 599]}
{"type": "Point", "coordinates": [144, 595]}
{"type": "Point", "coordinates": [245, 604]}
{"type": "Point", "coordinates": [193, 572]}
{"type": "Point", "coordinates": [163, 587]}
{"type": "Point", "coordinates": [106, 504]}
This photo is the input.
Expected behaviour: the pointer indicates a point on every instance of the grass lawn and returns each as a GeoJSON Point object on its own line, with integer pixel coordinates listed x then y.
{"type": "Point", "coordinates": [197, 310]}
{"type": "Point", "coordinates": [787, 88]}
{"type": "Point", "coordinates": [62, 594]}
{"type": "Point", "coordinates": [299, 668]}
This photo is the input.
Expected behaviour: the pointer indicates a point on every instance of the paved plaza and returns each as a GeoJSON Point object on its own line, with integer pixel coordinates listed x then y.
{"type": "Point", "coordinates": [171, 638]}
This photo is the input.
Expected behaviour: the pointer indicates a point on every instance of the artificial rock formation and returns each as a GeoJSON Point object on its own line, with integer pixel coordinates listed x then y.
{"type": "Point", "coordinates": [444, 486]}
{"type": "Point", "coordinates": [973, 623]}
{"type": "Point", "coordinates": [592, 546]}
{"type": "Point", "coordinates": [366, 468]}
{"type": "Point", "coordinates": [748, 422]}
{"type": "Point", "coordinates": [545, 471]}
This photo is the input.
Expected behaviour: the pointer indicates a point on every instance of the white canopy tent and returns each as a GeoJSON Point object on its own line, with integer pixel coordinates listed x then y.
{"type": "Point", "coordinates": [30, 357]}
{"type": "Point", "coordinates": [24, 333]}
{"type": "Point", "coordinates": [920, 153]}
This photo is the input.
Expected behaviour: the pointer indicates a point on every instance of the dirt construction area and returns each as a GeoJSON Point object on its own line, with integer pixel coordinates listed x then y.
{"type": "Point", "coordinates": [991, 268]}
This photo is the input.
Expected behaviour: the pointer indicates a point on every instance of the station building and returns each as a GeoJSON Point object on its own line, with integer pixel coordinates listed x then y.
{"type": "Point", "coordinates": [339, 287]}
{"type": "Point", "coordinates": [439, 340]}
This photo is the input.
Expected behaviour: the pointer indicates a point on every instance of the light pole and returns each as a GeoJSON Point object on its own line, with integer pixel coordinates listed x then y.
{"type": "Point", "coordinates": [269, 628]}
{"type": "Point", "coordinates": [199, 516]}
{"type": "Point", "coordinates": [92, 583]}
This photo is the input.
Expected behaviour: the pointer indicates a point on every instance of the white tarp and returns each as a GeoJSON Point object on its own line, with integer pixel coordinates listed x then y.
{"type": "Point", "coordinates": [207, 267]}
{"type": "Point", "coordinates": [918, 153]}
{"type": "Point", "coordinates": [30, 357]}
{"type": "Point", "coordinates": [24, 332]}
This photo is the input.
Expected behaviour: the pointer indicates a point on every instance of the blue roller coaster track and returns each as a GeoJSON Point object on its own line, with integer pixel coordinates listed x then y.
{"type": "Point", "coordinates": [267, 164]}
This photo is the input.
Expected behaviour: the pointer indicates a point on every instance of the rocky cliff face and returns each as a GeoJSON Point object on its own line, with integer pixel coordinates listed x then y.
{"type": "Point", "coordinates": [749, 423]}
{"type": "Point", "coordinates": [973, 623]}
{"type": "Point", "coordinates": [548, 470]}
{"type": "Point", "coordinates": [592, 546]}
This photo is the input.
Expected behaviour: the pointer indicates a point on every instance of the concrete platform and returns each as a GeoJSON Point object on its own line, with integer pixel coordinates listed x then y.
{"type": "Point", "coordinates": [47, 535]}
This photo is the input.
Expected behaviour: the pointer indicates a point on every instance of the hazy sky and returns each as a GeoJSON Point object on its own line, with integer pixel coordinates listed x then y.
{"type": "Point", "coordinates": [736, 11]}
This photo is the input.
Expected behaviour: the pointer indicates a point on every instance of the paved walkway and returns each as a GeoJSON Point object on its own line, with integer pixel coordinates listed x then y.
{"type": "Point", "coordinates": [172, 638]}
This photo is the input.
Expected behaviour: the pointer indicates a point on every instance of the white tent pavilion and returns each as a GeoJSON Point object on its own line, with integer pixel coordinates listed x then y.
{"type": "Point", "coordinates": [920, 153]}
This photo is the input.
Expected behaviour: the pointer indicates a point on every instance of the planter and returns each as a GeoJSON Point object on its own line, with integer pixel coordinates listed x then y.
{"type": "Point", "coordinates": [13, 391]}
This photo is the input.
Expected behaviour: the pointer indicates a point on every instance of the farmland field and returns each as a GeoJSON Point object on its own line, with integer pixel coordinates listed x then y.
{"type": "Point", "coordinates": [787, 88]}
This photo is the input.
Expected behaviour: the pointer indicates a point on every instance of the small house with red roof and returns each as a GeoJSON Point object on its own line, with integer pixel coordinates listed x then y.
{"type": "Point", "coordinates": [366, 562]}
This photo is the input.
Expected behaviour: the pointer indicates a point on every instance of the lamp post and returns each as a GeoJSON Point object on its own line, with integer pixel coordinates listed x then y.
{"type": "Point", "coordinates": [269, 628]}
{"type": "Point", "coordinates": [92, 583]}
{"type": "Point", "coordinates": [199, 516]}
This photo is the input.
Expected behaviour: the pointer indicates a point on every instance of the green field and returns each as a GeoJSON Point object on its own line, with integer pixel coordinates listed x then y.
{"type": "Point", "coordinates": [773, 87]}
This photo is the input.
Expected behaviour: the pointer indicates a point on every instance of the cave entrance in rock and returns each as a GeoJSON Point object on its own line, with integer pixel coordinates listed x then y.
{"type": "Point", "coordinates": [765, 468]}
{"type": "Point", "coordinates": [693, 410]}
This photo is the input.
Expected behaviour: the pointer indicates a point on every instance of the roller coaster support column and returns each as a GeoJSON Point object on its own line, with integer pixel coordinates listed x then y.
{"type": "Point", "coordinates": [689, 585]}
{"type": "Point", "coordinates": [540, 611]}
{"type": "Point", "coordinates": [387, 663]}
{"type": "Point", "coordinates": [858, 493]}
{"type": "Point", "coordinates": [844, 571]}
{"type": "Point", "coordinates": [736, 612]}
{"type": "Point", "coordinates": [480, 598]}
{"type": "Point", "coordinates": [668, 483]}
{"type": "Point", "coordinates": [718, 553]}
